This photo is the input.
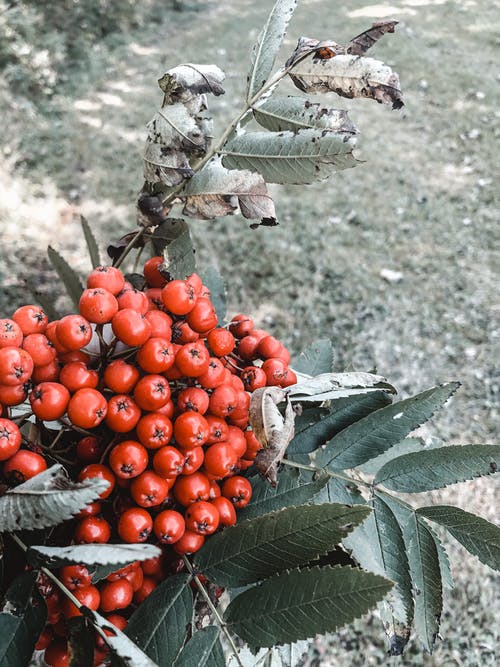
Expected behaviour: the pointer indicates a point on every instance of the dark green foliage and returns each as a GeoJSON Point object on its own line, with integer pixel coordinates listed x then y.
{"type": "Point", "coordinates": [21, 621]}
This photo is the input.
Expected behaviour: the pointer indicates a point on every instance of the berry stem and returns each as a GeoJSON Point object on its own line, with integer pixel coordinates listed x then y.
{"type": "Point", "coordinates": [337, 475]}
{"type": "Point", "coordinates": [213, 609]}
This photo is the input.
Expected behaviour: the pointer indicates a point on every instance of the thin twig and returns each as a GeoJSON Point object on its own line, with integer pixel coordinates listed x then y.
{"type": "Point", "coordinates": [213, 609]}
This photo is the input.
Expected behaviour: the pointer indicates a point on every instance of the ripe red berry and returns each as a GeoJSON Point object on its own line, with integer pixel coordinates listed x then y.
{"type": "Point", "coordinates": [202, 517]}
{"type": "Point", "coordinates": [193, 461]}
{"type": "Point", "coordinates": [16, 365]}
{"type": "Point", "coordinates": [75, 577]}
{"type": "Point", "coordinates": [227, 513]}
{"type": "Point", "coordinates": [10, 333]}
{"type": "Point", "coordinates": [238, 490]}
{"type": "Point", "coordinates": [135, 525]}
{"type": "Point", "coordinates": [123, 413]}
{"type": "Point", "coordinates": [156, 355]}
{"type": "Point", "coordinates": [179, 297]}
{"type": "Point", "coordinates": [131, 327]}
{"type": "Point", "coordinates": [74, 332]}
{"type": "Point", "coordinates": [221, 342]}
{"type": "Point", "coordinates": [10, 438]}
{"type": "Point", "coordinates": [88, 596]}
{"type": "Point", "coordinates": [31, 319]}
{"type": "Point", "coordinates": [133, 299]}
{"type": "Point", "coordinates": [49, 400]}
{"type": "Point", "coordinates": [190, 430]}
{"type": "Point", "coordinates": [189, 543]}
{"type": "Point", "coordinates": [151, 273]}
{"type": "Point", "coordinates": [88, 449]}
{"type": "Point", "coordinates": [40, 349]}
{"type": "Point", "coordinates": [57, 654]}
{"type": "Point", "coordinates": [92, 530]}
{"type": "Point", "coordinates": [149, 489]}
{"type": "Point", "coordinates": [87, 408]}
{"type": "Point", "coordinates": [128, 459]}
{"type": "Point", "coordinates": [98, 305]}
{"type": "Point", "coordinates": [120, 376]}
{"type": "Point", "coordinates": [203, 316]}
{"type": "Point", "coordinates": [169, 526]}
{"type": "Point", "coordinates": [23, 465]}
{"type": "Point", "coordinates": [190, 488]}
{"type": "Point", "coordinates": [193, 399]}
{"type": "Point", "coordinates": [168, 462]}
{"type": "Point", "coordinates": [221, 460]}
{"type": "Point", "coordinates": [76, 375]}
{"type": "Point", "coordinates": [106, 277]}
{"type": "Point", "coordinates": [154, 430]}
{"type": "Point", "coordinates": [116, 595]}
{"type": "Point", "coordinates": [223, 401]}
{"type": "Point", "coordinates": [152, 392]}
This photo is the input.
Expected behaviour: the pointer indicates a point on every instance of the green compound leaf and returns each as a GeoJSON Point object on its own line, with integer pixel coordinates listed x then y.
{"type": "Point", "coordinates": [260, 547]}
{"type": "Point", "coordinates": [303, 603]}
{"type": "Point", "coordinates": [480, 537]}
{"type": "Point", "coordinates": [47, 500]}
{"type": "Point", "coordinates": [69, 278]}
{"type": "Point", "coordinates": [280, 113]}
{"type": "Point", "coordinates": [436, 468]}
{"type": "Point", "coordinates": [159, 624]}
{"type": "Point", "coordinates": [202, 650]}
{"type": "Point", "coordinates": [290, 490]}
{"type": "Point", "coordinates": [342, 413]}
{"type": "Point", "coordinates": [92, 246]}
{"type": "Point", "coordinates": [316, 358]}
{"type": "Point", "coordinates": [21, 621]}
{"type": "Point", "coordinates": [288, 157]}
{"type": "Point", "coordinates": [380, 430]}
{"type": "Point", "coordinates": [268, 44]}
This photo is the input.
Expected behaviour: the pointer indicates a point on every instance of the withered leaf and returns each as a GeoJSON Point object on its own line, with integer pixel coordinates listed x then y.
{"type": "Point", "coordinates": [360, 44]}
{"type": "Point", "coordinates": [280, 113]}
{"type": "Point", "coordinates": [314, 47]}
{"type": "Point", "coordinates": [115, 249]}
{"type": "Point", "coordinates": [183, 82]}
{"type": "Point", "coordinates": [349, 76]}
{"type": "Point", "coordinates": [271, 429]}
{"type": "Point", "coordinates": [334, 385]}
{"type": "Point", "coordinates": [216, 191]}
{"type": "Point", "coordinates": [173, 135]}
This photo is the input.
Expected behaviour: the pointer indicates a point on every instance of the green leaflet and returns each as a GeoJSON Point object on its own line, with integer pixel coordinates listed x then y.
{"type": "Point", "coordinates": [480, 537]}
{"type": "Point", "coordinates": [288, 157]}
{"type": "Point", "coordinates": [202, 650]}
{"type": "Point", "coordinates": [379, 431]}
{"type": "Point", "coordinates": [435, 468]}
{"type": "Point", "coordinates": [303, 603]}
{"type": "Point", "coordinates": [159, 624]}
{"type": "Point", "coordinates": [69, 278]}
{"type": "Point", "coordinates": [260, 547]}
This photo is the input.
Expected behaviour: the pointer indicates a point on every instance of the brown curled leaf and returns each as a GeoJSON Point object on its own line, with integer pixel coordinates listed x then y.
{"type": "Point", "coordinates": [360, 44]}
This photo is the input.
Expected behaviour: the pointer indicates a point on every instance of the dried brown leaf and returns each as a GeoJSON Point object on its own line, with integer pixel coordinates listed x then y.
{"type": "Point", "coordinates": [349, 76]}
{"type": "Point", "coordinates": [216, 191]}
{"type": "Point", "coordinates": [360, 44]}
{"type": "Point", "coordinates": [271, 429]}
{"type": "Point", "coordinates": [183, 82]}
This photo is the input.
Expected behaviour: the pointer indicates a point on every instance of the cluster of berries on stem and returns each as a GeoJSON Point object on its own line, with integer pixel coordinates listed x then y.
{"type": "Point", "coordinates": [145, 389]}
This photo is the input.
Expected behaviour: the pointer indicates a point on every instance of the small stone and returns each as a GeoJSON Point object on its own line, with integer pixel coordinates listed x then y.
{"type": "Point", "coordinates": [391, 276]}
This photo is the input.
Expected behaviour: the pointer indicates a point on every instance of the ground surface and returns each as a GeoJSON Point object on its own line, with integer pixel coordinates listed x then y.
{"type": "Point", "coordinates": [423, 206]}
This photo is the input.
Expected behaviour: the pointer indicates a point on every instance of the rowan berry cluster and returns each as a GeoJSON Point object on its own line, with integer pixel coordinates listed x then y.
{"type": "Point", "coordinates": [160, 394]}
